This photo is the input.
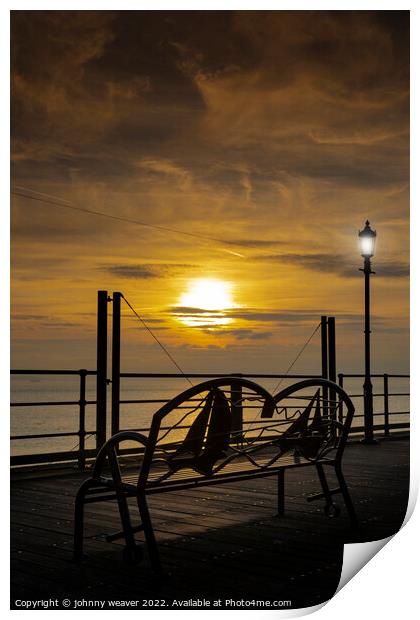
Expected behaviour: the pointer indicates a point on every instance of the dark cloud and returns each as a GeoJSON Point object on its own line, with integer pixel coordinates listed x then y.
{"type": "Point", "coordinates": [188, 310]}
{"type": "Point", "coordinates": [332, 263]}
{"type": "Point", "coordinates": [275, 316]}
{"type": "Point", "coordinates": [241, 334]}
{"type": "Point", "coordinates": [393, 270]}
{"type": "Point", "coordinates": [43, 321]}
{"type": "Point", "coordinates": [132, 318]}
{"type": "Point", "coordinates": [264, 315]}
{"type": "Point", "coordinates": [83, 74]}
{"type": "Point", "coordinates": [30, 317]}
{"type": "Point", "coordinates": [144, 271]}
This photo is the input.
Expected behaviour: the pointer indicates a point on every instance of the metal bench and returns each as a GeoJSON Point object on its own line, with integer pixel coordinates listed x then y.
{"type": "Point", "coordinates": [199, 439]}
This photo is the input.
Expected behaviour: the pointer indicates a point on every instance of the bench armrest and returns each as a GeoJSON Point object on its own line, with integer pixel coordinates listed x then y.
{"type": "Point", "coordinates": [109, 448]}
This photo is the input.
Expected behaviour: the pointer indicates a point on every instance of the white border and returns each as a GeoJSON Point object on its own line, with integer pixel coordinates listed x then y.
{"type": "Point", "coordinates": [387, 586]}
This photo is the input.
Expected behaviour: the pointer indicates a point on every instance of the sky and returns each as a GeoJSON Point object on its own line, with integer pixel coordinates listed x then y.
{"type": "Point", "coordinates": [268, 136]}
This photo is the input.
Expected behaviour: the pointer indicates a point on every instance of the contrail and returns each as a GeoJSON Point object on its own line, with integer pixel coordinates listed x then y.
{"type": "Point", "coordinates": [65, 204]}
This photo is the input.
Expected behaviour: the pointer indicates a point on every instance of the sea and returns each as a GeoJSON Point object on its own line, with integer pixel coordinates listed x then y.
{"type": "Point", "coordinates": [38, 420]}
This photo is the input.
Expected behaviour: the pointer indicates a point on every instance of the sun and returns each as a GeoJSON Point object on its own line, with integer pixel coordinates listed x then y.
{"type": "Point", "coordinates": [205, 303]}
{"type": "Point", "coordinates": [208, 294]}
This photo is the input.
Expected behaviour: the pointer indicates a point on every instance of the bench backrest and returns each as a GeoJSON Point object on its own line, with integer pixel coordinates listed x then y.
{"type": "Point", "coordinates": [195, 429]}
{"type": "Point", "coordinates": [230, 420]}
{"type": "Point", "coordinates": [317, 413]}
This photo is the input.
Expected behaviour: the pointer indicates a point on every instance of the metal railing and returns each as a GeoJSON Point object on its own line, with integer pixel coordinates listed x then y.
{"type": "Point", "coordinates": [80, 454]}
{"type": "Point", "coordinates": [386, 394]}
{"type": "Point", "coordinates": [387, 426]}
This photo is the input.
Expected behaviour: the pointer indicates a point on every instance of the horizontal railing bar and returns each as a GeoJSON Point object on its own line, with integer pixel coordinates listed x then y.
{"type": "Point", "coordinates": [381, 413]}
{"type": "Point", "coordinates": [50, 403]}
{"type": "Point", "coordinates": [379, 394]}
{"type": "Point", "coordinates": [132, 402]}
{"type": "Point", "coordinates": [395, 394]}
{"type": "Point", "coordinates": [195, 375]}
{"type": "Point", "coordinates": [20, 371]}
{"type": "Point", "coordinates": [73, 434]}
{"type": "Point", "coordinates": [378, 427]}
{"type": "Point", "coordinates": [197, 400]}
{"type": "Point", "coordinates": [49, 457]}
{"type": "Point", "coordinates": [165, 428]}
{"type": "Point", "coordinates": [344, 375]}
{"type": "Point", "coordinates": [41, 371]}
{"type": "Point", "coordinates": [392, 413]}
{"type": "Point", "coordinates": [142, 401]}
{"type": "Point", "coordinates": [69, 434]}
{"type": "Point", "coordinates": [170, 375]}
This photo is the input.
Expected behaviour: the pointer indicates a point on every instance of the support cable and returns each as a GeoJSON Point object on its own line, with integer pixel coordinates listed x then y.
{"type": "Point", "coordinates": [274, 390]}
{"type": "Point", "coordinates": [296, 358]}
{"type": "Point", "coordinates": [162, 346]}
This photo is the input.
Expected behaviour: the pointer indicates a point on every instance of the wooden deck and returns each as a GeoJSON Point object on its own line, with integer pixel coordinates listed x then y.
{"type": "Point", "coordinates": [217, 543]}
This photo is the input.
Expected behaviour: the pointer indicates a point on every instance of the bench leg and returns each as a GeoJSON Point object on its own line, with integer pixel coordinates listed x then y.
{"type": "Point", "coordinates": [149, 534]}
{"type": "Point", "coordinates": [280, 492]}
{"type": "Point", "coordinates": [324, 485]}
{"type": "Point", "coordinates": [79, 506]}
{"type": "Point", "coordinates": [346, 496]}
{"type": "Point", "coordinates": [130, 541]}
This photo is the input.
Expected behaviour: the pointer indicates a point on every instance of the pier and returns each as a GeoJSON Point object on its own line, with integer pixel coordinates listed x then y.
{"type": "Point", "coordinates": [215, 543]}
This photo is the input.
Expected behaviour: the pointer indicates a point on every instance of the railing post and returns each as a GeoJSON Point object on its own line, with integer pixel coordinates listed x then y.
{"type": "Point", "coordinates": [332, 370]}
{"type": "Point", "coordinates": [386, 406]}
{"type": "Point", "coordinates": [101, 368]}
{"type": "Point", "coordinates": [236, 409]}
{"type": "Point", "coordinates": [324, 363]}
{"type": "Point", "coordinates": [81, 460]}
{"type": "Point", "coordinates": [340, 406]}
{"type": "Point", "coordinates": [116, 362]}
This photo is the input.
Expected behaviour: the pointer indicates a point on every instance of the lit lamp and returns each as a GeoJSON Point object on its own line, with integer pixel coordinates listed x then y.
{"type": "Point", "coordinates": [367, 240]}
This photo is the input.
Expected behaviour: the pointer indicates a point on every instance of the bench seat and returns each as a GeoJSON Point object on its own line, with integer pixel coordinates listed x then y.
{"type": "Point", "coordinates": [188, 478]}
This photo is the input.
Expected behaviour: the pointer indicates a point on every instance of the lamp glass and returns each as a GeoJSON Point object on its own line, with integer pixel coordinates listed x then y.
{"type": "Point", "coordinates": [367, 245]}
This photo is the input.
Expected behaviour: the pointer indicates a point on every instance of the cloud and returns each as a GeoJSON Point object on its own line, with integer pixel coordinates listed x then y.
{"type": "Point", "coordinates": [275, 316]}
{"type": "Point", "coordinates": [144, 271]}
{"type": "Point", "coordinates": [333, 263]}
{"type": "Point", "coordinates": [393, 270]}
{"type": "Point", "coordinates": [51, 51]}
{"type": "Point", "coordinates": [253, 243]}
{"type": "Point", "coordinates": [167, 168]}
{"type": "Point", "coordinates": [189, 310]}
{"type": "Point", "coordinates": [42, 321]}
{"type": "Point", "coordinates": [264, 315]}
{"type": "Point", "coordinates": [241, 334]}
{"type": "Point", "coordinates": [30, 317]}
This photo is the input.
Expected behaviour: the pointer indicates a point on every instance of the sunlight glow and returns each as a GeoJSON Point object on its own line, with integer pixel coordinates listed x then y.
{"type": "Point", "coordinates": [208, 294]}
{"type": "Point", "coordinates": [208, 300]}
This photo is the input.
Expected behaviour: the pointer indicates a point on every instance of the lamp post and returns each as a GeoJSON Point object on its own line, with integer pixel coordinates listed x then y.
{"type": "Point", "coordinates": [367, 239]}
